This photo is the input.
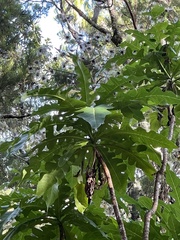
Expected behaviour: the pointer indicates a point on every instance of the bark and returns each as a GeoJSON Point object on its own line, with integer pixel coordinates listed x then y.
{"type": "Point", "coordinates": [116, 39]}
{"type": "Point", "coordinates": [159, 178]}
{"type": "Point", "coordinates": [113, 197]}
{"type": "Point", "coordinates": [97, 10]}
{"type": "Point", "coordinates": [92, 23]}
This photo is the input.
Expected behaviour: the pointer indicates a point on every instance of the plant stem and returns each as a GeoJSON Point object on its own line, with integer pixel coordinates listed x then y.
{"type": "Point", "coordinates": [61, 230]}
{"type": "Point", "coordinates": [158, 179]}
{"type": "Point", "coordinates": [113, 197]}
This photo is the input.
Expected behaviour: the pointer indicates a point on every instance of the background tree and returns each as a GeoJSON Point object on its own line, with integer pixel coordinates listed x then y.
{"type": "Point", "coordinates": [19, 41]}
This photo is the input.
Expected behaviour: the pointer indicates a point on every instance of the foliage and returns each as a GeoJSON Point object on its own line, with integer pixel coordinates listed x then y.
{"type": "Point", "coordinates": [19, 44]}
{"type": "Point", "coordinates": [77, 123]}
{"type": "Point", "coordinates": [19, 38]}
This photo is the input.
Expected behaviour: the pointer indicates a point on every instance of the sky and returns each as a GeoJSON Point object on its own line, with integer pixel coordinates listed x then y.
{"type": "Point", "coordinates": [50, 28]}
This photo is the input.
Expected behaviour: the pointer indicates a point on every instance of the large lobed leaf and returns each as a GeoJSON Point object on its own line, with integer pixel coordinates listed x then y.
{"type": "Point", "coordinates": [138, 136]}
{"type": "Point", "coordinates": [95, 116]}
{"type": "Point", "coordinates": [84, 77]}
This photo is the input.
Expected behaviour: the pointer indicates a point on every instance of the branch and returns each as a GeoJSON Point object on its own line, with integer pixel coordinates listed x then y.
{"type": "Point", "coordinates": [131, 14]}
{"type": "Point", "coordinates": [93, 24]}
{"type": "Point", "coordinates": [158, 178]}
{"type": "Point", "coordinates": [5, 116]}
{"type": "Point", "coordinates": [71, 30]}
{"type": "Point", "coordinates": [113, 197]}
{"type": "Point", "coordinates": [116, 39]}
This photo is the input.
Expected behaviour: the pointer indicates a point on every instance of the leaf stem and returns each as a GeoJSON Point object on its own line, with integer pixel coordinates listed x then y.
{"type": "Point", "coordinates": [61, 230]}
{"type": "Point", "coordinates": [113, 196]}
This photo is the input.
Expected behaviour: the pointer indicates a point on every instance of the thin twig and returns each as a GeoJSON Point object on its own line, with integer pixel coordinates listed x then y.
{"type": "Point", "coordinates": [113, 197]}
{"type": "Point", "coordinates": [158, 178]}
{"type": "Point", "coordinates": [56, 6]}
{"type": "Point", "coordinates": [5, 116]}
{"type": "Point", "coordinates": [131, 14]}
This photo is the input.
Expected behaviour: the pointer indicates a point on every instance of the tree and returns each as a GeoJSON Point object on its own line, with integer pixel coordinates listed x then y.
{"type": "Point", "coordinates": [93, 143]}
{"type": "Point", "coordinates": [20, 46]}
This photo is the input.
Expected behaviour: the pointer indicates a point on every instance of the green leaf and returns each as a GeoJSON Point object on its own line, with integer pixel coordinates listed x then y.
{"type": "Point", "coordinates": [47, 181]}
{"type": "Point", "coordinates": [173, 225]}
{"type": "Point", "coordinates": [134, 230]}
{"type": "Point", "coordinates": [156, 11]}
{"type": "Point", "coordinates": [73, 232]}
{"type": "Point", "coordinates": [51, 194]}
{"type": "Point", "coordinates": [71, 176]}
{"type": "Point", "coordinates": [156, 96]}
{"type": "Point", "coordinates": [45, 92]}
{"type": "Point", "coordinates": [95, 116]}
{"type": "Point", "coordinates": [66, 102]}
{"type": "Point", "coordinates": [110, 227]}
{"type": "Point", "coordinates": [145, 202]}
{"type": "Point", "coordinates": [145, 97]}
{"type": "Point", "coordinates": [85, 224]}
{"type": "Point", "coordinates": [21, 226]}
{"type": "Point", "coordinates": [5, 146]}
{"type": "Point", "coordinates": [174, 182]}
{"type": "Point", "coordinates": [81, 199]}
{"type": "Point", "coordinates": [175, 69]}
{"type": "Point", "coordinates": [83, 80]}
{"type": "Point", "coordinates": [155, 232]}
{"type": "Point", "coordinates": [107, 90]}
{"type": "Point", "coordinates": [149, 138]}
{"type": "Point", "coordinates": [18, 143]}
{"type": "Point", "coordinates": [138, 135]}
{"type": "Point", "coordinates": [9, 216]}
{"type": "Point", "coordinates": [158, 31]}
{"type": "Point", "coordinates": [47, 108]}
{"type": "Point", "coordinates": [142, 37]}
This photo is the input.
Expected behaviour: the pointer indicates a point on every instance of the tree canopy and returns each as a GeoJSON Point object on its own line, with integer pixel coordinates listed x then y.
{"type": "Point", "coordinates": [97, 155]}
